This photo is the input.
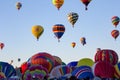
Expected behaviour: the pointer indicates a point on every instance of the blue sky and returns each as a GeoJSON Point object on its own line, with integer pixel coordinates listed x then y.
{"type": "Point", "coordinates": [94, 24]}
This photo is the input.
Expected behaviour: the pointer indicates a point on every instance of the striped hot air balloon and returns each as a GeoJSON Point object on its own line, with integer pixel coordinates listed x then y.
{"type": "Point", "coordinates": [72, 18]}
{"type": "Point", "coordinates": [43, 58]}
{"type": "Point", "coordinates": [58, 30]}
{"type": "Point", "coordinates": [83, 72]}
{"type": "Point", "coordinates": [107, 55]}
{"type": "Point", "coordinates": [115, 33]}
{"type": "Point", "coordinates": [115, 20]}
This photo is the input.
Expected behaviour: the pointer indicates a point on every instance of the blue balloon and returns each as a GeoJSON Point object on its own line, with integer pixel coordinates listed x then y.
{"type": "Point", "coordinates": [83, 72]}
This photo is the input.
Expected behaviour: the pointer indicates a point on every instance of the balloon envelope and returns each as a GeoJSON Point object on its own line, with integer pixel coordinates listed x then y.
{"type": "Point", "coordinates": [58, 61]}
{"type": "Point", "coordinates": [83, 40]}
{"type": "Point", "coordinates": [72, 18]}
{"type": "Point", "coordinates": [107, 55]}
{"type": "Point", "coordinates": [117, 70]}
{"type": "Point", "coordinates": [73, 44]}
{"type": "Point", "coordinates": [72, 64]}
{"type": "Point", "coordinates": [85, 62]}
{"type": "Point", "coordinates": [35, 72]}
{"type": "Point", "coordinates": [24, 66]}
{"type": "Point", "coordinates": [58, 3]}
{"type": "Point", "coordinates": [83, 72]}
{"type": "Point", "coordinates": [115, 34]}
{"type": "Point", "coordinates": [58, 30]}
{"type": "Point", "coordinates": [44, 59]}
{"type": "Point", "coordinates": [103, 69]}
{"type": "Point", "coordinates": [60, 71]}
{"type": "Point", "coordinates": [86, 2]}
{"type": "Point", "coordinates": [7, 69]}
{"type": "Point", "coordinates": [37, 31]}
{"type": "Point", "coordinates": [115, 20]}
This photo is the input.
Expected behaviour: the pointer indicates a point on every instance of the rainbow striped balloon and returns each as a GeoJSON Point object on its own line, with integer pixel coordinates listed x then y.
{"type": "Point", "coordinates": [115, 33]}
{"type": "Point", "coordinates": [115, 20]}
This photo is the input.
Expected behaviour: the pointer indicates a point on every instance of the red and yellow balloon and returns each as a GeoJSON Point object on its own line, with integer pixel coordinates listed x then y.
{"type": "Point", "coordinates": [58, 3]}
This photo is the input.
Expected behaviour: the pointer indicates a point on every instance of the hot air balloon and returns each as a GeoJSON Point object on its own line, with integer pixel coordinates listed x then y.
{"type": "Point", "coordinates": [72, 18]}
{"type": "Point", "coordinates": [73, 44]}
{"type": "Point", "coordinates": [115, 20]}
{"type": "Point", "coordinates": [1, 45]}
{"type": "Point", "coordinates": [83, 72]}
{"type": "Point", "coordinates": [103, 69]}
{"type": "Point", "coordinates": [7, 69]}
{"type": "Point", "coordinates": [58, 30]}
{"type": "Point", "coordinates": [37, 31]}
{"type": "Point", "coordinates": [85, 62]}
{"type": "Point", "coordinates": [117, 70]}
{"type": "Point", "coordinates": [72, 64]}
{"type": "Point", "coordinates": [58, 61]}
{"type": "Point", "coordinates": [107, 55]}
{"type": "Point", "coordinates": [18, 5]}
{"type": "Point", "coordinates": [115, 34]}
{"type": "Point", "coordinates": [44, 59]}
{"type": "Point", "coordinates": [35, 72]}
{"type": "Point", "coordinates": [86, 2]}
{"type": "Point", "coordinates": [58, 3]}
{"type": "Point", "coordinates": [83, 41]}
{"type": "Point", "coordinates": [24, 66]}
{"type": "Point", "coordinates": [60, 71]}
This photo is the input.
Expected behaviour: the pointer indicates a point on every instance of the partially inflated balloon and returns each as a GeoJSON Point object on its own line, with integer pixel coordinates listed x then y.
{"type": "Point", "coordinates": [58, 30]}
{"type": "Point", "coordinates": [37, 31]}
{"type": "Point", "coordinates": [107, 55]}
{"type": "Point", "coordinates": [86, 2]}
{"type": "Point", "coordinates": [72, 18]}
{"type": "Point", "coordinates": [58, 61]}
{"type": "Point", "coordinates": [24, 66]}
{"type": "Point", "coordinates": [83, 72]}
{"type": "Point", "coordinates": [44, 59]}
{"type": "Point", "coordinates": [60, 71]}
{"type": "Point", "coordinates": [35, 72]}
{"type": "Point", "coordinates": [58, 3]}
{"type": "Point", "coordinates": [7, 69]}
{"type": "Point", "coordinates": [85, 62]}
{"type": "Point", "coordinates": [115, 33]}
{"type": "Point", "coordinates": [117, 70]}
{"type": "Point", "coordinates": [103, 69]}
{"type": "Point", "coordinates": [115, 20]}
{"type": "Point", "coordinates": [18, 5]}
